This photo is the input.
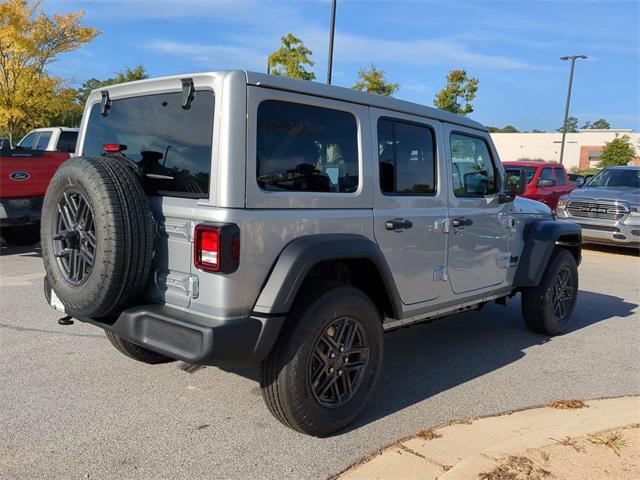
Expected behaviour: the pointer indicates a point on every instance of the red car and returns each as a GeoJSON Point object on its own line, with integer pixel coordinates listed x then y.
{"type": "Point", "coordinates": [546, 182]}
{"type": "Point", "coordinates": [24, 177]}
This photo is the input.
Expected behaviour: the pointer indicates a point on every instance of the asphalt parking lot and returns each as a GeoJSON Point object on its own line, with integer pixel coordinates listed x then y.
{"type": "Point", "coordinates": [73, 407]}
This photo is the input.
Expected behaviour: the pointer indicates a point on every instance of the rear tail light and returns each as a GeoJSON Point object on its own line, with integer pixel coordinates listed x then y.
{"type": "Point", "coordinates": [114, 147]}
{"type": "Point", "coordinates": [216, 248]}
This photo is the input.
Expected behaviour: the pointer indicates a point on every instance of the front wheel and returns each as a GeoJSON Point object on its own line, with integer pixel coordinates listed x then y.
{"type": "Point", "coordinates": [548, 307]}
{"type": "Point", "coordinates": [325, 364]}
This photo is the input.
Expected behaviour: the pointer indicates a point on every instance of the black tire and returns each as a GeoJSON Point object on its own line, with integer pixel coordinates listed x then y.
{"type": "Point", "coordinates": [136, 352]}
{"type": "Point", "coordinates": [540, 308]}
{"type": "Point", "coordinates": [286, 373]}
{"type": "Point", "coordinates": [21, 236]}
{"type": "Point", "coordinates": [123, 236]}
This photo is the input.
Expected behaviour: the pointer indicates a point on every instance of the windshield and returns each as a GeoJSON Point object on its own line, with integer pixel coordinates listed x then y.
{"type": "Point", "coordinates": [616, 177]}
{"type": "Point", "coordinates": [171, 144]}
{"type": "Point", "coordinates": [528, 171]}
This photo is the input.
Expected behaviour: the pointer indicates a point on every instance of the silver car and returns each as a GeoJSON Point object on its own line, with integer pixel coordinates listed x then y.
{"type": "Point", "coordinates": [607, 207]}
{"type": "Point", "coordinates": [236, 218]}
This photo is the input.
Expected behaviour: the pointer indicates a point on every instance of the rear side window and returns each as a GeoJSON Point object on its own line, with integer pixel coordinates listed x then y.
{"type": "Point", "coordinates": [171, 144]}
{"type": "Point", "coordinates": [67, 141]}
{"type": "Point", "coordinates": [474, 174]}
{"type": "Point", "coordinates": [306, 148]}
{"type": "Point", "coordinates": [43, 141]}
{"type": "Point", "coordinates": [406, 155]}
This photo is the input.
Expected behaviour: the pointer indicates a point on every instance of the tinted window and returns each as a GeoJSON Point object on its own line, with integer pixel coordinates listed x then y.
{"type": "Point", "coordinates": [559, 176]}
{"type": "Point", "coordinates": [546, 174]}
{"type": "Point", "coordinates": [406, 157]}
{"type": "Point", "coordinates": [43, 141]}
{"type": "Point", "coordinates": [306, 148]}
{"type": "Point", "coordinates": [28, 141]}
{"type": "Point", "coordinates": [67, 141]}
{"type": "Point", "coordinates": [171, 144]}
{"type": "Point", "coordinates": [473, 171]}
{"type": "Point", "coordinates": [616, 177]}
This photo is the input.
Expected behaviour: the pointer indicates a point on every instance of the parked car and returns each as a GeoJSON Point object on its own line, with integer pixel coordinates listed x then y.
{"type": "Point", "coordinates": [607, 207]}
{"type": "Point", "coordinates": [50, 139]}
{"type": "Point", "coordinates": [546, 182]}
{"type": "Point", "coordinates": [24, 177]}
{"type": "Point", "coordinates": [238, 218]}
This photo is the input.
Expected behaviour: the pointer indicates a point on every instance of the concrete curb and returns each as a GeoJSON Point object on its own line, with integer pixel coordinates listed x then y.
{"type": "Point", "coordinates": [463, 450]}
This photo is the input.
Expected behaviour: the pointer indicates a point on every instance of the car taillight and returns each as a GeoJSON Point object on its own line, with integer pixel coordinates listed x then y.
{"type": "Point", "coordinates": [114, 147]}
{"type": "Point", "coordinates": [216, 248]}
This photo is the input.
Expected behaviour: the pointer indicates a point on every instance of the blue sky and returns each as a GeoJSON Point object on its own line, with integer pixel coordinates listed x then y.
{"type": "Point", "coordinates": [513, 47]}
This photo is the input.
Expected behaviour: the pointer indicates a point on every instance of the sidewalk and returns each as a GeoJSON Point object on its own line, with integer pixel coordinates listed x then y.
{"type": "Point", "coordinates": [598, 439]}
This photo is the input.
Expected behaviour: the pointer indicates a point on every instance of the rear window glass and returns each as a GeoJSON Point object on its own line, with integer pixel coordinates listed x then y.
{"type": "Point", "coordinates": [171, 144]}
{"type": "Point", "coordinates": [305, 148]}
{"type": "Point", "coordinates": [67, 141]}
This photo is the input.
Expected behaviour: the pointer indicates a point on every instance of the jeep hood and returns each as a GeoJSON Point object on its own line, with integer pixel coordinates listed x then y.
{"type": "Point", "coordinates": [530, 207]}
{"type": "Point", "coordinates": [620, 194]}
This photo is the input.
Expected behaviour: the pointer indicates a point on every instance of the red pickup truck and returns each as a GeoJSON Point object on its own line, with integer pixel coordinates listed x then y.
{"type": "Point", "coordinates": [546, 182]}
{"type": "Point", "coordinates": [24, 177]}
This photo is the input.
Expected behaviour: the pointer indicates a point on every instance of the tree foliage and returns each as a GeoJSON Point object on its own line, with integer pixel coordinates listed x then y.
{"type": "Point", "coordinates": [618, 151]}
{"type": "Point", "coordinates": [29, 41]}
{"type": "Point", "coordinates": [127, 74]}
{"type": "Point", "coordinates": [572, 125]}
{"type": "Point", "coordinates": [292, 59]}
{"type": "Point", "coordinates": [601, 123]}
{"type": "Point", "coordinates": [372, 80]}
{"type": "Point", "coordinates": [458, 93]}
{"type": "Point", "coordinates": [505, 129]}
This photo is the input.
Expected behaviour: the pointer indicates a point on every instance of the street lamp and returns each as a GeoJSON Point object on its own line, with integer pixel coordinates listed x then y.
{"type": "Point", "coordinates": [573, 59]}
{"type": "Point", "coordinates": [331, 33]}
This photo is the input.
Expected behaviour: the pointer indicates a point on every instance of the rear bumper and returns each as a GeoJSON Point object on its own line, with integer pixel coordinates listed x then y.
{"type": "Point", "coordinates": [197, 339]}
{"type": "Point", "coordinates": [20, 211]}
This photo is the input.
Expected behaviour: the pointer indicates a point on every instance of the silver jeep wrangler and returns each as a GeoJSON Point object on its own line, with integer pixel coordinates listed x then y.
{"type": "Point", "coordinates": [240, 219]}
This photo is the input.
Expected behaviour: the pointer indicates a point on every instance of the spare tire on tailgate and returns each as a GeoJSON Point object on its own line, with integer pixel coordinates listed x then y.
{"type": "Point", "coordinates": [97, 236]}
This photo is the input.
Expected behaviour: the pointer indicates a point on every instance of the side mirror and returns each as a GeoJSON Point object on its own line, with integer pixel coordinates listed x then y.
{"type": "Point", "coordinates": [546, 183]}
{"type": "Point", "coordinates": [515, 183]}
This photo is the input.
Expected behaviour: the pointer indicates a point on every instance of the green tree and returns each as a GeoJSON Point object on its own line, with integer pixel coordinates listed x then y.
{"type": "Point", "coordinates": [458, 93]}
{"type": "Point", "coordinates": [372, 80]}
{"type": "Point", "coordinates": [127, 74]}
{"type": "Point", "coordinates": [572, 125]}
{"type": "Point", "coordinates": [601, 123]}
{"type": "Point", "coordinates": [618, 151]}
{"type": "Point", "coordinates": [291, 59]}
{"type": "Point", "coordinates": [29, 41]}
{"type": "Point", "coordinates": [535, 130]}
{"type": "Point", "coordinates": [506, 129]}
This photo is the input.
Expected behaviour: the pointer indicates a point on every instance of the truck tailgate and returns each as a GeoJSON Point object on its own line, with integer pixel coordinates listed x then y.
{"type": "Point", "coordinates": [26, 173]}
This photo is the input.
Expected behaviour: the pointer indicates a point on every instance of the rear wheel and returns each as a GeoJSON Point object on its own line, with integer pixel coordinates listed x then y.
{"type": "Point", "coordinates": [325, 364]}
{"type": "Point", "coordinates": [21, 236]}
{"type": "Point", "coordinates": [548, 307]}
{"type": "Point", "coordinates": [136, 352]}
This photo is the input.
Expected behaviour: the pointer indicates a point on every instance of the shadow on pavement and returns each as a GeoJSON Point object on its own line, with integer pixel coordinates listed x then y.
{"type": "Point", "coordinates": [29, 251]}
{"type": "Point", "coordinates": [630, 252]}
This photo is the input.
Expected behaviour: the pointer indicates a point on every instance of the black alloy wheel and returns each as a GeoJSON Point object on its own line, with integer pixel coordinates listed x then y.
{"type": "Point", "coordinates": [74, 238]}
{"type": "Point", "coordinates": [339, 361]}
{"type": "Point", "coordinates": [562, 294]}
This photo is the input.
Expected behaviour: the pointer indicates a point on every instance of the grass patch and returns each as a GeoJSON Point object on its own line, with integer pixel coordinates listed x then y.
{"type": "Point", "coordinates": [515, 468]}
{"type": "Point", "coordinates": [567, 404]}
{"type": "Point", "coordinates": [428, 434]}
{"type": "Point", "coordinates": [614, 440]}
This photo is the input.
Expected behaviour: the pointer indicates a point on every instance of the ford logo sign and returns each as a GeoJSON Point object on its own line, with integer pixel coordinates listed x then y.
{"type": "Point", "coordinates": [19, 176]}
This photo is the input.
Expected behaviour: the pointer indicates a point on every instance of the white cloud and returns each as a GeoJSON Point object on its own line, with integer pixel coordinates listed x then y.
{"type": "Point", "coordinates": [214, 56]}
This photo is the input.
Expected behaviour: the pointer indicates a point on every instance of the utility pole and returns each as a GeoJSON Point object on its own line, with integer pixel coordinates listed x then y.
{"type": "Point", "coordinates": [573, 59]}
{"type": "Point", "coordinates": [331, 34]}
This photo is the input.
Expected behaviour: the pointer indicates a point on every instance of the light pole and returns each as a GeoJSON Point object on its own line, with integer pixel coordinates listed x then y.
{"type": "Point", "coordinates": [331, 33]}
{"type": "Point", "coordinates": [573, 59]}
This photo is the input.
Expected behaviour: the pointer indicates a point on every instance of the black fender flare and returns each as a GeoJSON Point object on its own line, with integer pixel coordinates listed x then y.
{"type": "Point", "coordinates": [298, 257]}
{"type": "Point", "coordinates": [541, 238]}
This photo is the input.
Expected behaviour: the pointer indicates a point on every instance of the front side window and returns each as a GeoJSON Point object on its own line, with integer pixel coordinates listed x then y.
{"type": "Point", "coordinates": [306, 148]}
{"type": "Point", "coordinates": [406, 155]}
{"type": "Point", "coordinates": [473, 171]}
{"type": "Point", "coordinates": [172, 145]}
{"type": "Point", "coordinates": [29, 141]}
{"type": "Point", "coordinates": [546, 174]}
{"type": "Point", "coordinates": [559, 177]}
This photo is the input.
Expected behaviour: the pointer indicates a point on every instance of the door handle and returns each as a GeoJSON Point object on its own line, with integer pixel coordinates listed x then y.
{"type": "Point", "coordinates": [398, 224]}
{"type": "Point", "coordinates": [461, 222]}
